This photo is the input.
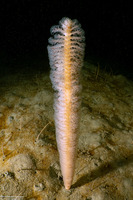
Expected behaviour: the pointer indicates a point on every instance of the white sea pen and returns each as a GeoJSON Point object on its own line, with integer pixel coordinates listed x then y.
{"type": "Point", "coordinates": [66, 53]}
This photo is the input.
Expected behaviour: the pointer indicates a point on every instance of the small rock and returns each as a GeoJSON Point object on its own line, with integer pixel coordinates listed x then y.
{"type": "Point", "coordinates": [39, 187]}
{"type": "Point", "coordinates": [10, 120]}
{"type": "Point", "coordinates": [23, 166]}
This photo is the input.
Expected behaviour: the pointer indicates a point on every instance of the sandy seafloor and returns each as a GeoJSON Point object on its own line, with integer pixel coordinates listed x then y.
{"type": "Point", "coordinates": [29, 162]}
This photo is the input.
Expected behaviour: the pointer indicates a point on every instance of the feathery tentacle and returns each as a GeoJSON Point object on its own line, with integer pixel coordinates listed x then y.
{"type": "Point", "coordinates": [66, 52]}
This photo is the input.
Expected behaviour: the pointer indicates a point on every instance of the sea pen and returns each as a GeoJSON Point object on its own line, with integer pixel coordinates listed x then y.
{"type": "Point", "coordinates": [66, 53]}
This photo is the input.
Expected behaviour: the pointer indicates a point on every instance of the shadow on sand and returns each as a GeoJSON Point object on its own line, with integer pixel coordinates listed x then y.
{"type": "Point", "coordinates": [103, 170]}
